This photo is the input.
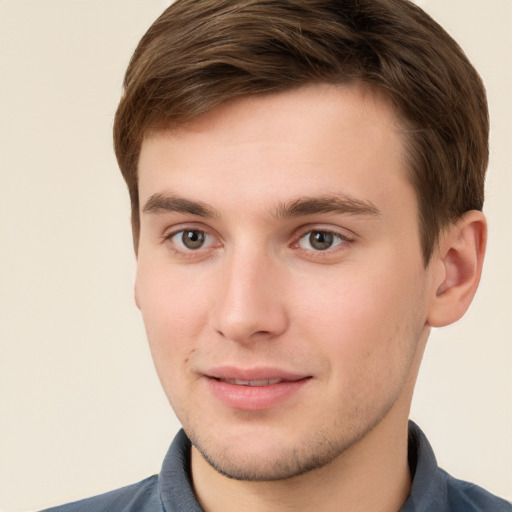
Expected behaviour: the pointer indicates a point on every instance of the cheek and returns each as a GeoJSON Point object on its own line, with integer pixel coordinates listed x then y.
{"type": "Point", "coordinates": [169, 299]}
{"type": "Point", "coordinates": [363, 325]}
{"type": "Point", "coordinates": [174, 313]}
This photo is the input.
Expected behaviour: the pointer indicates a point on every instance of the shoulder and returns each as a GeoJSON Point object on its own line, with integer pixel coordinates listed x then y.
{"type": "Point", "coordinates": [434, 490]}
{"type": "Point", "coordinates": [140, 497]}
{"type": "Point", "coordinates": [468, 497]}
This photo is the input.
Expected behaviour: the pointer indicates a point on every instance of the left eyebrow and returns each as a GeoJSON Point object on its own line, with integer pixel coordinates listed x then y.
{"type": "Point", "coordinates": [340, 204]}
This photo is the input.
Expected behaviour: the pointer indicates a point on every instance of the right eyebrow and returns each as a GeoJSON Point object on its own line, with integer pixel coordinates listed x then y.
{"type": "Point", "coordinates": [159, 203]}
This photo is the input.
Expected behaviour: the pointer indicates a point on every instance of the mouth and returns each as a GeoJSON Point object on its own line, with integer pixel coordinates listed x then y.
{"type": "Point", "coordinates": [253, 383]}
{"type": "Point", "coordinates": [256, 389]}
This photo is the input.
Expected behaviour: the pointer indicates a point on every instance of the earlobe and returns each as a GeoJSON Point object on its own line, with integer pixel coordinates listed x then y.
{"type": "Point", "coordinates": [459, 258]}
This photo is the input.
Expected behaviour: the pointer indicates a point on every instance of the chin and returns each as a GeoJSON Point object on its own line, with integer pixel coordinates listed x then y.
{"type": "Point", "coordinates": [265, 458]}
{"type": "Point", "coordinates": [256, 467]}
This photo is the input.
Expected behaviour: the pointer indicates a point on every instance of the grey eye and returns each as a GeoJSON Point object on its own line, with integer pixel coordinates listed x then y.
{"type": "Point", "coordinates": [193, 239]}
{"type": "Point", "coordinates": [320, 240]}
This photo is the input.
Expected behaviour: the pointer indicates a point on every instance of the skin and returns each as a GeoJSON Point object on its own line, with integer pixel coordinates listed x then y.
{"type": "Point", "coordinates": [254, 292]}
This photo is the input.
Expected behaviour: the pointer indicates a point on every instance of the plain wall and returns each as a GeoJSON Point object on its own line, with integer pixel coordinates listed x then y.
{"type": "Point", "coordinates": [81, 409]}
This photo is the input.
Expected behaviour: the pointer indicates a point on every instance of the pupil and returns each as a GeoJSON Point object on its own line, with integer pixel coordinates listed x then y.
{"type": "Point", "coordinates": [193, 239]}
{"type": "Point", "coordinates": [321, 240]}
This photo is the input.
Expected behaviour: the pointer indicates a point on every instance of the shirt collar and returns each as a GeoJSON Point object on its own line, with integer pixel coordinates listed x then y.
{"type": "Point", "coordinates": [174, 480]}
{"type": "Point", "coordinates": [428, 490]}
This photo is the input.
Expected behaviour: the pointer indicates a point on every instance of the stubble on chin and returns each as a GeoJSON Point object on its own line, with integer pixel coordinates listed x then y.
{"type": "Point", "coordinates": [282, 463]}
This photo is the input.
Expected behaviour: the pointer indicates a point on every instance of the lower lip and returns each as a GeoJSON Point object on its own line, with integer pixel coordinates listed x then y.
{"type": "Point", "coordinates": [255, 398]}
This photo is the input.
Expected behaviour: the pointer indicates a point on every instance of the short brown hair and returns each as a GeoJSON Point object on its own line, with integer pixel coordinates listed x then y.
{"type": "Point", "coordinates": [200, 53]}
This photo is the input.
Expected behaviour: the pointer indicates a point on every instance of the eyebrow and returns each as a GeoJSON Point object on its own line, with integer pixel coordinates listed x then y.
{"type": "Point", "coordinates": [159, 203]}
{"type": "Point", "coordinates": [338, 204]}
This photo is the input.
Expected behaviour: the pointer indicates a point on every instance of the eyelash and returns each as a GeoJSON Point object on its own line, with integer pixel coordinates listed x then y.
{"type": "Point", "coordinates": [343, 239]}
{"type": "Point", "coordinates": [185, 253]}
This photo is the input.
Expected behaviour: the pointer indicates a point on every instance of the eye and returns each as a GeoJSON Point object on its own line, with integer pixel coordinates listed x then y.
{"type": "Point", "coordinates": [318, 240]}
{"type": "Point", "coordinates": [191, 239]}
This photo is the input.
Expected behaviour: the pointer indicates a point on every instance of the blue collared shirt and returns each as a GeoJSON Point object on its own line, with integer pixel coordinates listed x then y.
{"type": "Point", "coordinates": [433, 490]}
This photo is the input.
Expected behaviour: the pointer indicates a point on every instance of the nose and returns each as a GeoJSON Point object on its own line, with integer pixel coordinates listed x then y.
{"type": "Point", "coordinates": [251, 303]}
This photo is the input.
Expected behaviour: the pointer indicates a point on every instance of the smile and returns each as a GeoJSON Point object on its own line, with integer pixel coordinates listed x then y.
{"type": "Point", "coordinates": [254, 390]}
{"type": "Point", "coordinates": [255, 383]}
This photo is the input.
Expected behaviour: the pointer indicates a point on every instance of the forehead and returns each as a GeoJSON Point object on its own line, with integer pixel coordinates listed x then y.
{"type": "Point", "coordinates": [349, 106]}
{"type": "Point", "coordinates": [306, 141]}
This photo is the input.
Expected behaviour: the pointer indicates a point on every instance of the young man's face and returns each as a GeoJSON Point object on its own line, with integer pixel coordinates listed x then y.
{"type": "Point", "coordinates": [280, 277]}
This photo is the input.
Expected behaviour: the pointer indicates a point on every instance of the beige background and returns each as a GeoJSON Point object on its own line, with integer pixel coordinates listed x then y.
{"type": "Point", "coordinates": [81, 410]}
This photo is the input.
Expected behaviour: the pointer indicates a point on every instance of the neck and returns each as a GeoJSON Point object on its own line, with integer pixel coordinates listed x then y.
{"type": "Point", "coordinates": [373, 475]}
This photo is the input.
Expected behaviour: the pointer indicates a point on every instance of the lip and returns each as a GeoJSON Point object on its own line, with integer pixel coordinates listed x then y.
{"type": "Point", "coordinates": [254, 389]}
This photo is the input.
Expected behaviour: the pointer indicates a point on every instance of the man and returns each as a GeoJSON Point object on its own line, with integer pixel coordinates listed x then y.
{"type": "Point", "coordinates": [306, 180]}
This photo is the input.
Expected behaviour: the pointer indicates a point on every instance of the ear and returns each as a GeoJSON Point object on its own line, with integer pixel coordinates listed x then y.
{"type": "Point", "coordinates": [458, 266]}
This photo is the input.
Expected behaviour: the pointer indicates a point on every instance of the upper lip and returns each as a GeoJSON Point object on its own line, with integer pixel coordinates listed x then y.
{"type": "Point", "coordinates": [253, 374]}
